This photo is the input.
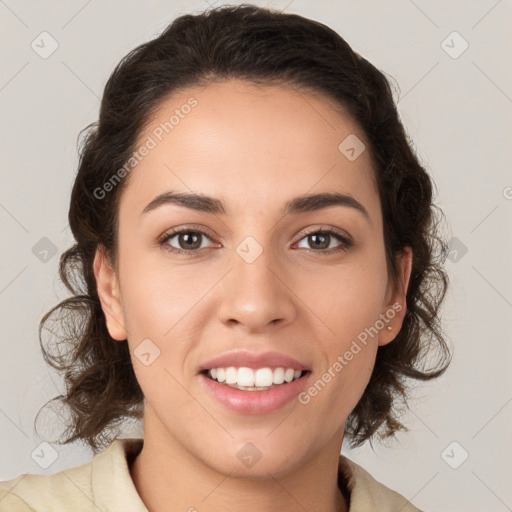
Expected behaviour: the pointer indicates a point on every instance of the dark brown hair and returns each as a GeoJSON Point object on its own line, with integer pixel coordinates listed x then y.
{"type": "Point", "coordinates": [263, 46]}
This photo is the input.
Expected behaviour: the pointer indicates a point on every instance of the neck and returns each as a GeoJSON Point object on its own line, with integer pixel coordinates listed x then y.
{"type": "Point", "coordinates": [166, 473]}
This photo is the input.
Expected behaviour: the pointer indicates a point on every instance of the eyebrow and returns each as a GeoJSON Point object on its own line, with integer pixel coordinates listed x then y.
{"type": "Point", "coordinates": [300, 204]}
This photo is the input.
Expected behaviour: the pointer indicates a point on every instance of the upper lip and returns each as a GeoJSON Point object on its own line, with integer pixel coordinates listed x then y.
{"type": "Point", "coordinates": [247, 359]}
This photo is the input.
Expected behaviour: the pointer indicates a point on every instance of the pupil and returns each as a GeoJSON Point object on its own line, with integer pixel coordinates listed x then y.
{"type": "Point", "coordinates": [321, 245]}
{"type": "Point", "coordinates": [185, 238]}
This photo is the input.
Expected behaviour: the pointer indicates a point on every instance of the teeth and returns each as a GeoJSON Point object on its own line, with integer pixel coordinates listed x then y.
{"type": "Point", "coordinates": [262, 378]}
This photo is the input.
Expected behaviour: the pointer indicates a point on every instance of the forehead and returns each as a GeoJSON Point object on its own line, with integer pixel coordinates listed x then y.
{"type": "Point", "coordinates": [252, 145]}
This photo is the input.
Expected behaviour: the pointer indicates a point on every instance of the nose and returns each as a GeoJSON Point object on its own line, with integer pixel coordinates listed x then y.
{"type": "Point", "coordinates": [257, 294]}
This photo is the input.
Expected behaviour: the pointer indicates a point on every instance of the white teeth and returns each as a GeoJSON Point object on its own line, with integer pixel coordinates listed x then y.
{"type": "Point", "coordinates": [247, 378]}
{"type": "Point", "coordinates": [278, 376]}
{"type": "Point", "coordinates": [231, 375]}
{"type": "Point", "coordinates": [288, 375]}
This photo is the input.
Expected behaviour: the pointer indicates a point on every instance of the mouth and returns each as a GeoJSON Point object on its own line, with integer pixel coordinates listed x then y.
{"type": "Point", "coordinates": [239, 393]}
{"type": "Point", "coordinates": [249, 379]}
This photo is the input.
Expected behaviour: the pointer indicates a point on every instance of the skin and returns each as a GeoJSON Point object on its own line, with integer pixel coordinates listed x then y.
{"type": "Point", "coordinates": [254, 149]}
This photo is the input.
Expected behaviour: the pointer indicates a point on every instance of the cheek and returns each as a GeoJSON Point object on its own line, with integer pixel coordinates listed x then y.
{"type": "Point", "coordinates": [164, 316]}
{"type": "Point", "coordinates": [156, 295]}
{"type": "Point", "coordinates": [352, 379]}
{"type": "Point", "coordinates": [155, 306]}
{"type": "Point", "coordinates": [349, 302]}
{"type": "Point", "coordinates": [348, 298]}
{"type": "Point", "coordinates": [337, 387]}
{"type": "Point", "coordinates": [146, 306]}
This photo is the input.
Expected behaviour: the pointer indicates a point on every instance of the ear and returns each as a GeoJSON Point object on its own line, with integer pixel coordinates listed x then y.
{"type": "Point", "coordinates": [109, 295]}
{"type": "Point", "coordinates": [395, 305]}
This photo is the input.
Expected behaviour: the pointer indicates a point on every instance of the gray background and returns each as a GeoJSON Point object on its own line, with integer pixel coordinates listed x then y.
{"type": "Point", "coordinates": [457, 111]}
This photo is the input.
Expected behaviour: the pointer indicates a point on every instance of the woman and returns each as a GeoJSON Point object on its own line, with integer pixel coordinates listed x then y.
{"type": "Point", "coordinates": [261, 274]}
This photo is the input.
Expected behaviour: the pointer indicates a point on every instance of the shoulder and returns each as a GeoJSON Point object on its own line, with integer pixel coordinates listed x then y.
{"type": "Point", "coordinates": [66, 489]}
{"type": "Point", "coordinates": [366, 493]}
{"type": "Point", "coordinates": [103, 482]}
{"type": "Point", "coordinates": [9, 501]}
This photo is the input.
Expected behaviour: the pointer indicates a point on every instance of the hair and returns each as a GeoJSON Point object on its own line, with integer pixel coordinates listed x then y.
{"type": "Point", "coordinates": [262, 46]}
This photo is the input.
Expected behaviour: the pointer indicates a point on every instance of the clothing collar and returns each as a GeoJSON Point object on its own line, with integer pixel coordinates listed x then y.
{"type": "Point", "coordinates": [113, 486]}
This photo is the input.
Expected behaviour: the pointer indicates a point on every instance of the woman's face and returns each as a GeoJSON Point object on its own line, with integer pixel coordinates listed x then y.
{"type": "Point", "coordinates": [260, 280]}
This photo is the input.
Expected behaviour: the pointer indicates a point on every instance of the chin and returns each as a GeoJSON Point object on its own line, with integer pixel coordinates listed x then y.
{"type": "Point", "coordinates": [253, 461]}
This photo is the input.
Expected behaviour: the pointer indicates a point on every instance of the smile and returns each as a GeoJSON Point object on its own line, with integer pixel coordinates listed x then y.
{"type": "Point", "coordinates": [253, 391]}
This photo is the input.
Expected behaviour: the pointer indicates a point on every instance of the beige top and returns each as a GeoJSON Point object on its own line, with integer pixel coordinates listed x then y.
{"type": "Point", "coordinates": [105, 485]}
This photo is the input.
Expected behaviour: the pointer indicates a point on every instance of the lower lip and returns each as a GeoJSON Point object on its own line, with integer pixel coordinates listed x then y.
{"type": "Point", "coordinates": [254, 402]}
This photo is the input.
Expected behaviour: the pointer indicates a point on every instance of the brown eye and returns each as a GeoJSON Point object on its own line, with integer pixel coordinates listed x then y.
{"type": "Point", "coordinates": [189, 240]}
{"type": "Point", "coordinates": [321, 240]}
{"type": "Point", "coordinates": [185, 241]}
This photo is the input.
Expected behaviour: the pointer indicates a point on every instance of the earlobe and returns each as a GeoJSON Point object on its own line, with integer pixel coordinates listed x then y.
{"type": "Point", "coordinates": [396, 306]}
{"type": "Point", "coordinates": [109, 295]}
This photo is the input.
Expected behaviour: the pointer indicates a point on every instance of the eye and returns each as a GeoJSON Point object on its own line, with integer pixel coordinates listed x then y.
{"type": "Point", "coordinates": [187, 240]}
{"type": "Point", "coordinates": [322, 239]}
{"type": "Point", "coordinates": [190, 241]}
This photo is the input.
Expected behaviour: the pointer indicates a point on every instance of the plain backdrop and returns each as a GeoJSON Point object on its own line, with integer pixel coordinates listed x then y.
{"type": "Point", "coordinates": [451, 62]}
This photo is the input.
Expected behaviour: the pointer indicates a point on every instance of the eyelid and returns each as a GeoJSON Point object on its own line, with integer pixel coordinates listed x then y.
{"type": "Point", "coordinates": [192, 228]}
{"type": "Point", "coordinates": [204, 230]}
{"type": "Point", "coordinates": [326, 228]}
{"type": "Point", "coordinates": [345, 239]}
{"type": "Point", "coordinates": [199, 228]}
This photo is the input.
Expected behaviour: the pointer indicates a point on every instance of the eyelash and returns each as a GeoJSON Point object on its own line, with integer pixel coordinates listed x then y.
{"type": "Point", "coordinates": [346, 243]}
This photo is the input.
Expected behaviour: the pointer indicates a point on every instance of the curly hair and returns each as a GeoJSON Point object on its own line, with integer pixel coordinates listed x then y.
{"type": "Point", "coordinates": [262, 46]}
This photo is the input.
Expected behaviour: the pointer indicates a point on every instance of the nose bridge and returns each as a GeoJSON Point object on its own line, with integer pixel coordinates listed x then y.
{"type": "Point", "coordinates": [253, 292]}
